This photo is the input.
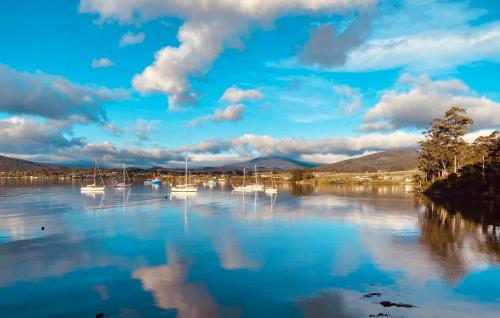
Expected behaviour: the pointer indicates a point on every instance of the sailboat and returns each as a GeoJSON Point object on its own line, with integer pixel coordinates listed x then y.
{"type": "Point", "coordinates": [186, 187]}
{"type": "Point", "coordinates": [273, 188]}
{"type": "Point", "coordinates": [94, 187]}
{"type": "Point", "coordinates": [243, 188]}
{"type": "Point", "coordinates": [124, 184]}
{"type": "Point", "coordinates": [256, 186]}
{"type": "Point", "coordinates": [155, 181]}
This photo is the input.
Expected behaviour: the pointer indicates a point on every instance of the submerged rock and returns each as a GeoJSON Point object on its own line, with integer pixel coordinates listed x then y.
{"type": "Point", "coordinates": [370, 295]}
{"type": "Point", "coordinates": [379, 315]}
{"type": "Point", "coordinates": [387, 303]}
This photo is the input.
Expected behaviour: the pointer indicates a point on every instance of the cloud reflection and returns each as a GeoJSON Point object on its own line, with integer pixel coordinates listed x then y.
{"type": "Point", "coordinates": [170, 288]}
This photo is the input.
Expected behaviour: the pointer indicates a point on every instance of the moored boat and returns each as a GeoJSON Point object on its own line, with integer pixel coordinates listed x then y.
{"type": "Point", "coordinates": [186, 187]}
{"type": "Point", "coordinates": [124, 184]}
{"type": "Point", "coordinates": [94, 187]}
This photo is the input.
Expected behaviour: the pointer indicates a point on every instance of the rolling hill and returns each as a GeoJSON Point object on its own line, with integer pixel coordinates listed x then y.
{"type": "Point", "coordinates": [267, 163]}
{"type": "Point", "coordinates": [397, 160]}
{"type": "Point", "coordinates": [14, 164]}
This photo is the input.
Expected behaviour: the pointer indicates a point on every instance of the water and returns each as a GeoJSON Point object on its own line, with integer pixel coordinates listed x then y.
{"type": "Point", "coordinates": [308, 252]}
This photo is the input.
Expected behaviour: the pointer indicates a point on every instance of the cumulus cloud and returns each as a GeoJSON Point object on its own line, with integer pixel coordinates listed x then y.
{"type": "Point", "coordinates": [138, 156]}
{"type": "Point", "coordinates": [101, 62]}
{"type": "Point", "coordinates": [349, 98]}
{"type": "Point", "coordinates": [207, 30]}
{"type": "Point", "coordinates": [331, 158]}
{"type": "Point", "coordinates": [264, 145]}
{"type": "Point", "coordinates": [113, 129]}
{"type": "Point", "coordinates": [53, 96]}
{"type": "Point", "coordinates": [130, 38]}
{"type": "Point", "coordinates": [229, 113]}
{"type": "Point", "coordinates": [21, 135]}
{"type": "Point", "coordinates": [417, 100]}
{"type": "Point", "coordinates": [16, 138]}
{"type": "Point", "coordinates": [327, 47]}
{"type": "Point", "coordinates": [429, 50]}
{"type": "Point", "coordinates": [143, 129]}
{"type": "Point", "coordinates": [235, 95]}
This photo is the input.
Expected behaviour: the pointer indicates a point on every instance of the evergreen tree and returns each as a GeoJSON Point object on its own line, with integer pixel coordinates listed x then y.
{"type": "Point", "coordinates": [444, 148]}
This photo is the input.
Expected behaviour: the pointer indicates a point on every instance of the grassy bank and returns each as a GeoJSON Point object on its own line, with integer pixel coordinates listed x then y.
{"type": "Point", "coordinates": [396, 177]}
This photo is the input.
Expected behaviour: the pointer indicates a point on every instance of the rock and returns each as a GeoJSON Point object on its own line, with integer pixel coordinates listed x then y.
{"type": "Point", "coordinates": [387, 303]}
{"type": "Point", "coordinates": [380, 315]}
{"type": "Point", "coordinates": [43, 228]}
{"type": "Point", "coordinates": [370, 295]}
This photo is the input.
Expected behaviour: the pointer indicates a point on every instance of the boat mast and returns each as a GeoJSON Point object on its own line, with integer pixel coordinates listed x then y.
{"type": "Point", "coordinates": [186, 176]}
{"type": "Point", "coordinates": [244, 173]}
{"type": "Point", "coordinates": [255, 167]}
{"type": "Point", "coordinates": [95, 165]}
{"type": "Point", "coordinates": [123, 173]}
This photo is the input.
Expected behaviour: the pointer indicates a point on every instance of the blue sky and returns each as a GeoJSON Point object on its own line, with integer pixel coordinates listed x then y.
{"type": "Point", "coordinates": [147, 82]}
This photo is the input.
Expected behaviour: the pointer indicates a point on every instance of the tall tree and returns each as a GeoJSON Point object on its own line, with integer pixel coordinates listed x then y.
{"type": "Point", "coordinates": [444, 147]}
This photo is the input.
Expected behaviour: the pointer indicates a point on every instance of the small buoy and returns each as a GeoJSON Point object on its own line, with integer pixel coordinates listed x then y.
{"type": "Point", "coordinates": [43, 228]}
{"type": "Point", "coordinates": [166, 197]}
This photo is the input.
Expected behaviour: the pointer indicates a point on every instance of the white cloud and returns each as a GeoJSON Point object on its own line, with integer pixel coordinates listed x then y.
{"type": "Point", "coordinates": [417, 100]}
{"type": "Point", "coordinates": [229, 113]}
{"type": "Point", "coordinates": [267, 145]}
{"type": "Point", "coordinates": [264, 145]}
{"type": "Point", "coordinates": [349, 98]}
{"type": "Point", "coordinates": [130, 38]}
{"type": "Point", "coordinates": [143, 129]}
{"type": "Point", "coordinates": [331, 158]}
{"type": "Point", "coordinates": [235, 95]}
{"type": "Point", "coordinates": [101, 62]}
{"type": "Point", "coordinates": [207, 29]}
{"type": "Point", "coordinates": [429, 50]}
{"type": "Point", "coordinates": [21, 135]}
{"type": "Point", "coordinates": [470, 137]}
{"type": "Point", "coordinates": [55, 97]}
{"type": "Point", "coordinates": [53, 141]}
{"type": "Point", "coordinates": [113, 129]}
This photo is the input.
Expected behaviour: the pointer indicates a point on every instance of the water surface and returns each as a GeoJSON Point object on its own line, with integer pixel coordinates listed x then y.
{"type": "Point", "coordinates": [307, 252]}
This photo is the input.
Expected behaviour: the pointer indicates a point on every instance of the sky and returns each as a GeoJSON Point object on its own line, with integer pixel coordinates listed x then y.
{"type": "Point", "coordinates": [148, 82]}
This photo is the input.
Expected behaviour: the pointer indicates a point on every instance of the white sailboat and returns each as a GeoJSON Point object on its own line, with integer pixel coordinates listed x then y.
{"type": "Point", "coordinates": [256, 186]}
{"type": "Point", "coordinates": [186, 187]}
{"type": "Point", "coordinates": [273, 188]}
{"type": "Point", "coordinates": [243, 188]}
{"type": "Point", "coordinates": [124, 184]}
{"type": "Point", "coordinates": [94, 187]}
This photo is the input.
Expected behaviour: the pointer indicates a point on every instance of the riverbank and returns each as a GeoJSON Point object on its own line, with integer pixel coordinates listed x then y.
{"type": "Point", "coordinates": [397, 177]}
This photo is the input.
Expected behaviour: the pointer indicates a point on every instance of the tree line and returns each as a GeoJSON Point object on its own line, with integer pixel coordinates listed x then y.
{"type": "Point", "coordinates": [449, 162]}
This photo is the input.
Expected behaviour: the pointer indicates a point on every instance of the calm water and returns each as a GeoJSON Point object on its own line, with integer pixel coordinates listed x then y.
{"type": "Point", "coordinates": [303, 253]}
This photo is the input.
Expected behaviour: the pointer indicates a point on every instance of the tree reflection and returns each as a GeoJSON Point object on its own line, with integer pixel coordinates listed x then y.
{"type": "Point", "coordinates": [459, 234]}
{"type": "Point", "coordinates": [301, 189]}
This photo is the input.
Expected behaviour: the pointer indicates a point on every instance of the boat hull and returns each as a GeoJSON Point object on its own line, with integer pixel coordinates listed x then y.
{"type": "Point", "coordinates": [242, 189]}
{"type": "Point", "coordinates": [123, 185]}
{"type": "Point", "coordinates": [188, 189]}
{"type": "Point", "coordinates": [92, 189]}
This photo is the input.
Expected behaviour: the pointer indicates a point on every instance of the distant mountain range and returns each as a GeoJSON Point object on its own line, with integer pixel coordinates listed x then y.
{"type": "Point", "coordinates": [397, 160]}
{"type": "Point", "coordinates": [265, 163]}
{"type": "Point", "coordinates": [14, 164]}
